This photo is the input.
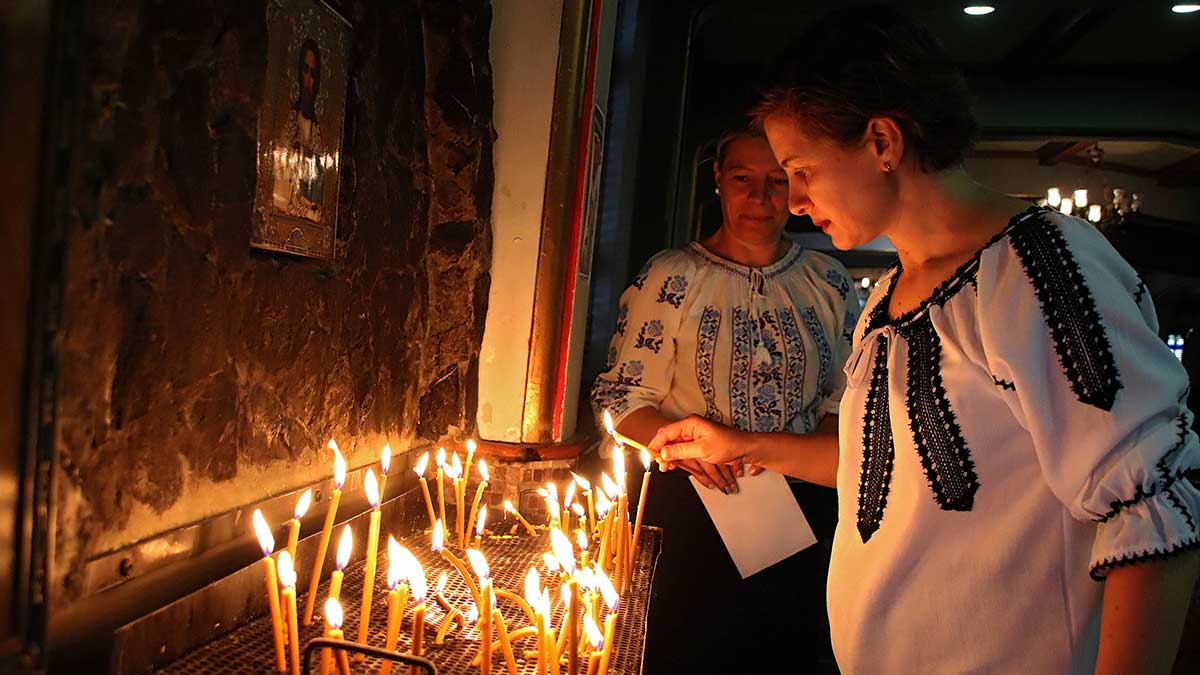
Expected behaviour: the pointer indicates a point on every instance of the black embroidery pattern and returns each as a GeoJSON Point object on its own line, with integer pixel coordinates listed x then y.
{"type": "Point", "coordinates": [1003, 383]}
{"type": "Point", "coordinates": [706, 340]}
{"type": "Point", "coordinates": [839, 282]}
{"type": "Point", "coordinates": [1167, 479]}
{"type": "Point", "coordinates": [673, 290]}
{"type": "Point", "coordinates": [1070, 311]}
{"type": "Point", "coordinates": [1101, 570]}
{"type": "Point", "coordinates": [622, 320]}
{"type": "Point", "coordinates": [640, 280]}
{"type": "Point", "coordinates": [611, 395]}
{"type": "Point", "coordinates": [1139, 292]}
{"type": "Point", "coordinates": [939, 440]}
{"type": "Point", "coordinates": [650, 336]}
{"type": "Point", "coordinates": [879, 451]}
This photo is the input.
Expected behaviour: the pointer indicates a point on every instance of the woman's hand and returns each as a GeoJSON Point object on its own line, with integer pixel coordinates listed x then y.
{"type": "Point", "coordinates": [697, 438]}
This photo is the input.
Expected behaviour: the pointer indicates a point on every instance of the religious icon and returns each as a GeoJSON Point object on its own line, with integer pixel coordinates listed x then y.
{"type": "Point", "coordinates": [300, 129]}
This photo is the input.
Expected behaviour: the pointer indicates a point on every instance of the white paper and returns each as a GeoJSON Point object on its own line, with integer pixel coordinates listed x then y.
{"type": "Point", "coordinates": [761, 524]}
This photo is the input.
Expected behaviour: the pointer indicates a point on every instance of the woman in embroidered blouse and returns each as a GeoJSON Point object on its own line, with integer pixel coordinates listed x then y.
{"type": "Point", "coordinates": [750, 329]}
{"type": "Point", "coordinates": [1012, 431]}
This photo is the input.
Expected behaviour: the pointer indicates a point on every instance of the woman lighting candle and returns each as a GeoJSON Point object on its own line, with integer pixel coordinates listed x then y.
{"type": "Point", "coordinates": [371, 487]}
{"type": "Point", "coordinates": [339, 479]}
{"type": "Point", "coordinates": [266, 541]}
{"type": "Point", "coordinates": [287, 579]}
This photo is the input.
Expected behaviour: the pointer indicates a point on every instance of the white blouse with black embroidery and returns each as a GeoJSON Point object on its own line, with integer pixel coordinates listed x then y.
{"type": "Point", "coordinates": [1004, 446]}
{"type": "Point", "coordinates": [756, 348]}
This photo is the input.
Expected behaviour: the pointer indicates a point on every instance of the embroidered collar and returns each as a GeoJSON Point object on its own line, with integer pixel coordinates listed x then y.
{"type": "Point", "coordinates": [947, 289]}
{"type": "Point", "coordinates": [776, 268]}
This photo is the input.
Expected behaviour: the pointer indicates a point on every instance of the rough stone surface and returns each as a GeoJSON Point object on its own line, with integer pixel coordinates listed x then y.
{"type": "Point", "coordinates": [199, 375]}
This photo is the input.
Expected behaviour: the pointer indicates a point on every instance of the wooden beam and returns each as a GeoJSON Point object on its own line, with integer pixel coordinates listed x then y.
{"type": "Point", "coordinates": [1107, 166]}
{"type": "Point", "coordinates": [1184, 172]}
{"type": "Point", "coordinates": [1056, 151]}
{"type": "Point", "coordinates": [1062, 29]}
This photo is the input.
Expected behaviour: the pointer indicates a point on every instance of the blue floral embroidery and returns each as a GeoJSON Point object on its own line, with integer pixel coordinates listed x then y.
{"type": "Point", "coordinates": [817, 333]}
{"type": "Point", "coordinates": [635, 370]}
{"type": "Point", "coordinates": [609, 395]}
{"type": "Point", "coordinates": [796, 360]}
{"type": "Point", "coordinates": [767, 376]}
{"type": "Point", "coordinates": [739, 370]}
{"type": "Point", "coordinates": [706, 340]}
{"type": "Point", "coordinates": [673, 290]}
{"type": "Point", "coordinates": [612, 358]}
{"type": "Point", "coordinates": [650, 337]}
{"type": "Point", "coordinates": [840, 283]}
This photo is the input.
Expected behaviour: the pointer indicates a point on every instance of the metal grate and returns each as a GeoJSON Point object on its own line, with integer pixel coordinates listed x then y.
{"type": "Point", "coordinates": [249, 649]}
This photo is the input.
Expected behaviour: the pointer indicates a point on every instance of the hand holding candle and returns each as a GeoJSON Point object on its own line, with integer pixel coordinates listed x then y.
{"type": "Point", "coordinates": [266, 542]}
{"type": "Point", "coordinates": [339, 479]}
{"type": "Point", "coordinates": [287, 579]}
{"type": "Point", "coordinates": [371, 487]}
{"type": "Point", "coordinates": [621, 439]}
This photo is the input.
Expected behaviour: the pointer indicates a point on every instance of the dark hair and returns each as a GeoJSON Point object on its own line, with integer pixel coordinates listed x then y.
{"type": "Point", "coordinates": [872, 61]}
{"type": "Point", "coordinates": [309, 45]}
{"type": "Point", "coordinates": [732, 134]}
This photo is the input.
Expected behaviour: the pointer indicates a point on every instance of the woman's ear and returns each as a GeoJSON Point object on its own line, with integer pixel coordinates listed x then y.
{"type": "Point", "coordinates": [886, 141]}
{"type": "Point", "coordinates": [716, 174]}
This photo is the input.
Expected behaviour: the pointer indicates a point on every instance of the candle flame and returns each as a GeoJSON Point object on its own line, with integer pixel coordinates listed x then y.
{"type": "Point", "coordinates": [551, 561]}
{"type": "Point", "coordinates": [441, 457]}
{"type": "Point", "coordinates": [302, 504]}
{"type": "Point", "coordinates": [479, 524]}
{"type": "Point", "coordinates": [584, 484]}
{"type": "Point", "coordinates": [439, 536]}
{"type": "Point", "coordinates": [385, 459]}
{"type": "Point", "coordinates": [453, 469]}
{"type": "Point", "coordinates": [582, 539]}
{"type": "Point", "coordinates": [578, 509]}
{"type": "Point", "coordinates": [416, 578]}
{"type": "Point", "coordinates": [610, 487]}
{"type": "Point", "coordinates": [569, 496]}
{"type": "Point", "coordinates": [508, 506]}
{"type": "Point", "coordinates": [332, 445]}
{"type": "Point", "coordinates": [594, 636]}
{"type": "Point", "coordinates": [333, 613]}
{"type": "Point", "coordinates": [478, 563]}
{"type": "Point", "coordinates": [371, 487]}
{"type": "Point", "coordinates": [422, 464]}
{"type": "Point", "coordinates": [533, 584]}
{"type": "Point", "coordinates": [457, 464]}
{"type": "Point", "coordinates": [645, 459]}
{"type": "Point", "coordinates": [441, 584]}
{"type": "Point", "coordinates": [266, 540]}
{"type": "Point", "coordinates": [586, 578]}
{"type": "Point", "coordinates": [396, 562]}
{"type": "Point", "coordinates": [345, 543]}
{"type": "Point", "coordinates": [472, 614]}
{"type": "Point", "coordinates": [564, 592]}
{"type": "Point", "coordinates": [611, 597]}
{"type": "Point", "coordinates": [552, 490]}
{"type": "Point", "coordinates": [472, 446]}
{"type": "Point", "coordinates": [563, 550]}
{"type": "Point", "coordinates": [603, 505]}
{"type": "Point", "coordinates": [608, 423]}
{"type": "Point", "coordinates": [544, 493]}
{"type": "Point", "coordinates": [483, 471]}
{"type": "Point", "coordinates": [339, 467]}
{"type": "Point", "coordinates": [287, 571]}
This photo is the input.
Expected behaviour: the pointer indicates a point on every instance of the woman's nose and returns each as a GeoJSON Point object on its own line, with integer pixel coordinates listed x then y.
{"type": "Point", "coordinates": [798, 202]}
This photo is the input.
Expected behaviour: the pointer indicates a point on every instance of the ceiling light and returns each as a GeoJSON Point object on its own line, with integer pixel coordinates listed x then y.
{"type": "Point", "coordinates": [980, 10]}
{"type": "Point", "coordinates": [1185, 9]}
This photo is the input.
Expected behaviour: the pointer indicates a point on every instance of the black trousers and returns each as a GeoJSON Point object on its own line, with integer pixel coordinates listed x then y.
{"type": "Point", "coordinates": [704, 618]}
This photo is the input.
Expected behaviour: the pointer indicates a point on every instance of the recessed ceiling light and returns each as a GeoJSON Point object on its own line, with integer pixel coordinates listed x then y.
{"type": "Point", "coordinates": [978, 10]}
{"type": "Point", "coordinates": [1185, 9]}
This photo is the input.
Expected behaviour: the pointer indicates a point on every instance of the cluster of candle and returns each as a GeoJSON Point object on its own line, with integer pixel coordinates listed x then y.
{"type": "Point", "coordinates": [584, 582]}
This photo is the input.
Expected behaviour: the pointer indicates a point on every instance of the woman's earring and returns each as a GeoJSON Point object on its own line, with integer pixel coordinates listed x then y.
{"type": "Point", "coordinates": [717, 190]}
{"type": "Point", "coordinates": [887, 167]}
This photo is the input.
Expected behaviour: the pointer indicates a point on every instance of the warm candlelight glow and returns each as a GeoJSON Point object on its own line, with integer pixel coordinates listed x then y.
{"type": "Point", "coordinates": [483, 471]}
{"type": "Point", "coordinates": [607, 590]}
{"type": "Point", "coordinates": [385, 459]}
{"type": "Point", "coordinates": [563, 550]}
{"type": "Point", "coordinates": [508, 506]}
{"type": "Point", "coordinates": [619, 468]}
{"type": "Point", "coordinates": [608, 423]}
{"type": "Point", "coordinates": [578, 509]}
{"type": "Point", "coordinates": [594, 636]}
{"type": "Point", "coordinates": [480, 522]}
{"type": "Point", "coordinates": [478, 563]}
{"type": "Point", "coordinates": [418, 586]}
{"type": "Point", "coordinates": [584, 484]}
{"type": "Point", "coordinates": [603, 504]}
{"type": "Point", "coordinates": [266, 540]}
{"type": "Point", "coordinates": [552, 492]}
{"type": "Point", "coordinates": [371, 487]}
{"type": "Point", "coordinates": [345, 543]}
{"type": "Point", "coordinates": [581, 539]}
{"type": "Point", "coordinates": [646, 459]}
{"type": "Point", "coordinates": [610, 486]}
{"type": "Point", "coordinates": [551, 561]}
{"type": "Point", "coordinates": [569, 495]}
{"type": "Point", "coordinates": [533, 584]}
{"type": "Point", "coordinates": [422, 464]}
{"type": "Point", "coordinates": [441, 457]}
{"type": "Point", "coordinates": [472, 446]}
{"type": "Point", "coordinates": [287, 570]}
{"type": "Point", "coordinates": [441, 583]}
{"type": "Point", "coordinates": [302, 504]}
{"type": "Point", "coordinates": [333, 613]}
{"type": "Point", "coordinates": [439, 536]}
{"type": "Point", "coordinates": [472, 614]}
{"type": "Point", "coordinates": [339, 467]}
{"type": "Point", "coordinates": [455, 469]}
{"type": "Point", "coordinates": [395, 570]}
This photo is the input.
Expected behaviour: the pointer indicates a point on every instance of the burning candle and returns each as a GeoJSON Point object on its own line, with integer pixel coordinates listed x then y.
{"type": "Point", "coordinates": [622, 439]}
{"type": "Point", "coordinates": [397, 597]}
{"type": "Point", "coordinates": [505, 644]}
{"type": "Point", "coordinates": [460, 484]}
{"type": "Point", "coordinates": [419, 469]}
{"type": "Point", "coordinates": [479, 564]}
{"type": "Point", "coordinates": [385, 463]}
{"type": "Point", "coordinates": [508, 506]}
{"type": "Point", "coordinates": [266, 542]}
{"type": "Point", "coordinates": [345, 543]}
{"type": "Point", "coordinates": [452, 617]}
{"type": "Point", "coordinates": [596, 639]}
{"type": "Point", "coordinates": [586, 487]}
{"type": "Point", "coordinates": [287, 579]}
{"type": "Point", "coordinates": [551, 646]}
{"type": "Point", "coordinates": [566, 558]}
{"type": "Point", "coordinates": [371, 487]}
{"type": "Point", "coordinates": [622, 521]}
{"type": "Point", "coordinates": [567, 499]}
{"type": "Point", "coordinates": [437, 593]}
{"type": "Point", "coordinates": [553, 508]}
{"type": "Point", "coordinates": [613, 600]}
{"type": "Point", "coordinates": [533, 596]}
{"type": "Point", "coordinates": [479, 525]}
{"type": "Point", "coordinates": [441, 470]}
{"type": "Point", "coordinates": [472, 446]}
{"type": "Point", "coordinates": [339, 479]}
{"type": "Point", "coordinates": [439, 535]}
{"type": "Point", "coordinates": [416, 579]}
{"type": "Point", "coordinates": [302, 505]}
{"type": "Point", "coordinates": [582, 540]}
{"type": "Point", "coordinates": [551, 561]}
{"type": "Point", "coordinates": [483, 475]}
{"type": "Point", "coordinates": [637, 528]}
{"type": "Point", "coordinates": [333, 630]}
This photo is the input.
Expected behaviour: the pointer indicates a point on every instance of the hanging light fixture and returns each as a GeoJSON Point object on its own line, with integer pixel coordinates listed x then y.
{"type": "Point", "coordinates": [1053, 197]}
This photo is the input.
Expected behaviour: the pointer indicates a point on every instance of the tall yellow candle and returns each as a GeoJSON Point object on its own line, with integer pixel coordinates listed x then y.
{"type": "Point", "coordinates": [266, 541]}
{"type": "Point", "coordinates": [397, 597]}
{"type": "Point", "coordinates": [418, 631]}
{"type": "Point", "coordinates": [479, 564]}
{"type": "Point", "coordinates": [483, 482]}
{"type": "Point", "coordinates": [287, 579]}
{"type": "Point", "coordinates": [595, 639]}
{"type": "Point", "coordinates": [339, 479]}
{"type": "Point", "coordinates": [302, 505]}
{"type": "Point", "coordinates": [586, 488]}
{"type": "Point", "coordinates": [453, 616]}
{"type": "Point", "coordinates": [479, 525]}
{"type": "Point", "coordinates": [508, 506]}
{"type": "Point", "coordinates": [637, 528]}
{"type": "Point", "coordinates": [460, 482]}
{"type": "Point", "coordinates": [441, 470]}
{"type": "Point", "coordinates": [533, 596]}
{"type": "Point", "coordinates": [622, 439]}
{"type": "Point", "coordinates": [566, 558]}
{"type": "Point", "coordinates": [419, 469]}
{"type": "Point", "coordinates": [566, 506]}
{"type": "Point", "coordinates": [385, 463]}
{"type": "Point", "coordinates": [505, 645]}
{"type": "Point", "coordinates": [371, 487]}
{"type": "Point", "coordinates": [472, 446]}
{"type": "Point", "coordinates": [345, 543]}
{"type": "Point", "coordinates": [613, 600]}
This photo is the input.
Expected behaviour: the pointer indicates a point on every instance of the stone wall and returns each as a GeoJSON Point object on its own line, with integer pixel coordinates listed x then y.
{"type": "Point", "coordinates": [197, 374]}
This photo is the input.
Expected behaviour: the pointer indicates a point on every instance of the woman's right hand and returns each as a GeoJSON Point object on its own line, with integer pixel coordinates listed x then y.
{"type": "Point", "coordinates": [710, 451]}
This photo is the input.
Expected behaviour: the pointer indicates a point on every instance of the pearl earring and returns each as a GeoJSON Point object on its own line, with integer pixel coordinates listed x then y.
{"type": "Point", "coordinates": [887, 167]}
{"type": "Point", "coordinates": [717, 190]}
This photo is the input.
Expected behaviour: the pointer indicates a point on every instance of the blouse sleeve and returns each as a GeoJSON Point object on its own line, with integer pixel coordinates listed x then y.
{"type": "Point", "coordinates": [1070, 332]}
{"type": "Point", "coordinates": [641, 358]}
{"type": "Point", "coordinates": [841, 338]}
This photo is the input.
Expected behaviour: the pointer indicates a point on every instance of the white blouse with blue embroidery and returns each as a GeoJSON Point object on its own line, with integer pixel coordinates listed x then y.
{"type": "Point", "coordinates": [1003, 447]}
{"type": "Point", "coordinates": [756, 348]}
